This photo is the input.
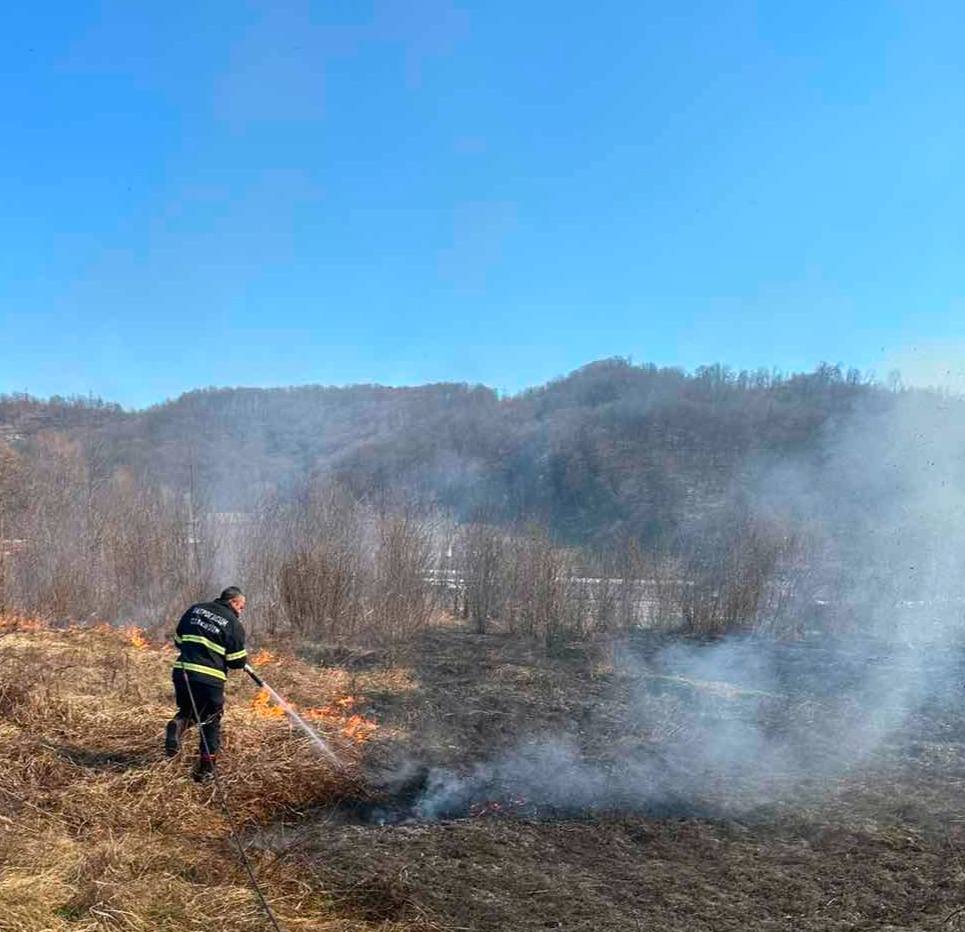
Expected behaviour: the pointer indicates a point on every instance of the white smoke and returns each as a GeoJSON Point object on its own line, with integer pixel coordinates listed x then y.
{"type": "Point", "coordinates": [739, 722]}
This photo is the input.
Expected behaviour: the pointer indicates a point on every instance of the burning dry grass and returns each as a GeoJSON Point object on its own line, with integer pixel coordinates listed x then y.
{"type": "Point", "coordinates": [99, 831]}
{"type": "Point", "coordinates": [337, 714]}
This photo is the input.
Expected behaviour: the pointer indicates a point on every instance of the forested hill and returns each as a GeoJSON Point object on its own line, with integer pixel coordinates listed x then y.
{"type": "Point", "coordinates": [611, 449]}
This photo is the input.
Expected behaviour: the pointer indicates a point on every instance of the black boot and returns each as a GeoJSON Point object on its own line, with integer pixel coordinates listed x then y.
{"type": "Point", "coordinates": [172, 736]}
{"type": "Point", "coordinates": [205, 770]}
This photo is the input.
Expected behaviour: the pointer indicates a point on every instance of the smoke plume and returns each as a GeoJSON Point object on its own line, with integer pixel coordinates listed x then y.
{"type": "Point", "coordinates": [734, 723]}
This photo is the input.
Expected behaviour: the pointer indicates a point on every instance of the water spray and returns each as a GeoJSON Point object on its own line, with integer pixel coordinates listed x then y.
{"type": "Point", "coordinates": [310, 732]}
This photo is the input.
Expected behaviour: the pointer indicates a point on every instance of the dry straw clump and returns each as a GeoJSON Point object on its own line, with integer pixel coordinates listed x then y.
{"type": "Point", "coordinates": [98, 830]}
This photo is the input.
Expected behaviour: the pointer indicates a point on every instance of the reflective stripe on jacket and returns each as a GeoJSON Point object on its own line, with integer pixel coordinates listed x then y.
{"type": "Point", "coordinates": [211, 640]}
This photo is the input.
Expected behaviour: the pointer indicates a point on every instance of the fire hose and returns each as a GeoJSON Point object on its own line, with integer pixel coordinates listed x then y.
{"type": "Point", "coordinates": [224, 804]}
{"type": "Point", "coordinates": [221, 793]}
{"type": "Point", "coordinates": [297, 719]}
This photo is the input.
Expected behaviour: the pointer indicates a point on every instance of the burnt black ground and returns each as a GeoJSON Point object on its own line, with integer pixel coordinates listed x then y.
{"type": "Point", "coordinates": [632, 873]}
{"type": "Point", "coordinates": [877, 846]}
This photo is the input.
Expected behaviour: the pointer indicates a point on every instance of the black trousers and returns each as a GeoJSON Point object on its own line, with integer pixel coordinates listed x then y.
{"type": "Point", "coordinates": [209, 699]}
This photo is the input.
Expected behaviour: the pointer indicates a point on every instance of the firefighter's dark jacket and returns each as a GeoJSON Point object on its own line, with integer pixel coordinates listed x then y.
{"type": "Point", "coordinates": [211, 640]}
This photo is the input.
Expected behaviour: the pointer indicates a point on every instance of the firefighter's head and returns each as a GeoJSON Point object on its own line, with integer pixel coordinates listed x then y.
{"type": "Point", "coordinates": [234, 597]}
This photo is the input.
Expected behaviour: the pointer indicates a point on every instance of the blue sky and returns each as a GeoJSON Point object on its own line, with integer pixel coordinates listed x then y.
{"type": "Point", "coordinates": [226, 193]}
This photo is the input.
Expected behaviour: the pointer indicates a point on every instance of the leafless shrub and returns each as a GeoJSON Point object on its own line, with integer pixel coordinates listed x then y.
{"type": "Point", "coordinates": [329, 568]}
{"type": "Point", "coordinates": [541, 600]}
{"type": "Point", "coordinates": [529, 585]}
{"type": "Point", "coordinates": [400, 592]}
{"type": "Point", "coordinates": [739, 577]}
{"type": "Point", "coordinates": [12, 497]}
{"type": "Point", "coordinates": [484, 572]}
{"type": "Point", "coordinates": [79, 538]}
{"type": "Point", "coordinates": [621, 588]}
{"type": "Point", "coordinates": [81, 543]}
{"type": "Point", "coordinates": [304, 562]}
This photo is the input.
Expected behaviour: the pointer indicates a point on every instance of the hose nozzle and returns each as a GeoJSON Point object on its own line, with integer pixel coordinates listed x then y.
{"type": "Point", "coordinates": [254, 676]}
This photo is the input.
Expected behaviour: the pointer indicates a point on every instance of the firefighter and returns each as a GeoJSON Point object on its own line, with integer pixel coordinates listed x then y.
{"type": "Point", "coordinates": [212, 641]}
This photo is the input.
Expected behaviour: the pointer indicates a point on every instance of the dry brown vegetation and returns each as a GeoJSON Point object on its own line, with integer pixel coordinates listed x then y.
{"type": "Point", "coordinates": [744, 575]}
{"type": "Point", "coordinates": [330, 502]}
{"type": "Point", "coordinates": [83, 539]}
{"type": "Point", "coordinates": [327, 567]}
{"type": "Point", "coordinates": [99, 831]}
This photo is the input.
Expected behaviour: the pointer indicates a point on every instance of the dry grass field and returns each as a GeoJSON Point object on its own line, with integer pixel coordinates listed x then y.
{"type": "Point", "coordinates": [99, 831]}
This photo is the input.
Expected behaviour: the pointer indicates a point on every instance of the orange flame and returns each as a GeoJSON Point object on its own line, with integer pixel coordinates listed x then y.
{"type": "Point", "coordinates": [19, 623]}
{"type": "Point", "coordinates": [136, 637]}
{"type": "Point", "coordinates": [354, 727]}
{"type": "Point", "coordinates": [358, 728]}
{"type": "Point", "coordinates": [133, 634]}
{"type": "Point", "coordinates": [263, 707]}
{"type": "Point", "coordinates": [262, 657]}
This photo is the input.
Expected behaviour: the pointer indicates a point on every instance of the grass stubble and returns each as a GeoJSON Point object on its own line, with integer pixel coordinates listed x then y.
{"type": "Point", "coordinates": [98, 830]}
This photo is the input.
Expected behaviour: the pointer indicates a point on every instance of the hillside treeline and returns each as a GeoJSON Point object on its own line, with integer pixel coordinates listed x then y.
{"type": "Point", "coordinates": [617, 496]}
{"type": "Point", "coordinates": [611, 451]}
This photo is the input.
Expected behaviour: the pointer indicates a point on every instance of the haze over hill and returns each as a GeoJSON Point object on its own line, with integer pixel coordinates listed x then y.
{"type": "Point", "coordinates": [611, 450]}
